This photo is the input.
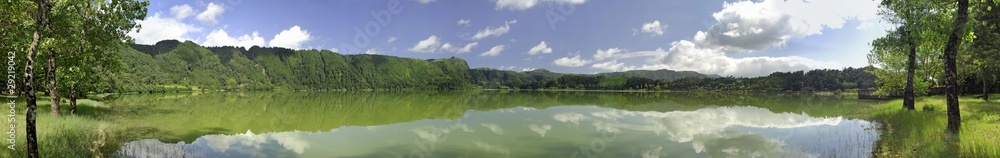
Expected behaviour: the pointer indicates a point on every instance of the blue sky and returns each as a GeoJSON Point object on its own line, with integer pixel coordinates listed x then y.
{"type": "Point", "coordinates": [729, 38]}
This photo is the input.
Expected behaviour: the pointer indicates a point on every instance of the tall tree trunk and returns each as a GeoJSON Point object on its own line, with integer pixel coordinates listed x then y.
{"type": "Point", "coordinates": [911, 68]}
{"type": "Point", "coordinates": [29, 67]}
{"type": "Point", "coordinates": [83, 41]}
{"type": "Point", "coordinates": [50, 77]}
{"type": "Point", "coordinates": [72, 100]}
{"type": "Point", "coordinates": [986, 83]}
{"type": "Point", "coordinates": [950, 69]}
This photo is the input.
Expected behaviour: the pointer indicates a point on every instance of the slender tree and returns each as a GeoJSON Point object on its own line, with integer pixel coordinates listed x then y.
{"type": "Point", "coordinates": [911, 64]}
{"type": "Point", "coordinates": [50, 78]}
{"type": "Point", "coordinates": [904, 51]}
{"type": "Point", "coordinates": [950, 68]}
{"type": "Point", "coordinates": [41, 24]}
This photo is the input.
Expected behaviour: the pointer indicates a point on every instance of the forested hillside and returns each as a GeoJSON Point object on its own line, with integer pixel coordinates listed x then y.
{"type": "Point", "coordinates": [173, 65]}
{"type": "Point", "coordinates": [669, 75]}
{"type": "Point", "coordinates": [814, 80]}
{"type": "Point", "coordinates": [177, 66]}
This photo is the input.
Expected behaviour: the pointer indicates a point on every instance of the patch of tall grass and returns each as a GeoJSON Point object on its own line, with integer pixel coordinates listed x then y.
{"type": "Point", "coordinates": [921, 133]}
{"type": "Point", "coordinates": [64, 136]}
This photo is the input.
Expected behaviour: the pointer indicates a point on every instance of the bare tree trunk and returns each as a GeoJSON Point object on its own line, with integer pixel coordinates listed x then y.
{"type": "Point", "coordinates": [911, 68]}
{"type": "Point", "coordinates": [950, 69]}
{"type": "Point", "coordinates": [986, 83]}
{"type": "Point", "coordinates": [40, 25]}
{"type": "Point", "coordinates": [72, 100]}
{"type": "Point", "coordinates": [50, 77]}
{"type": "Point", "coordinates": [83, 41]}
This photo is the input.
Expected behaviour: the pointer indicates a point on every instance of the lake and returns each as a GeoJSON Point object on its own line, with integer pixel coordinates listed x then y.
{"type": "Point", "coordinates": [491, 124]}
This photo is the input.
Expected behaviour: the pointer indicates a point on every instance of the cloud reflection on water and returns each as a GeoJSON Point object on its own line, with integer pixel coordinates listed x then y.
{"type": "Point", "coordinates": [740, 131]}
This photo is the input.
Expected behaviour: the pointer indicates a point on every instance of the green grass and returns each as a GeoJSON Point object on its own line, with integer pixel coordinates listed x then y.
{"type": "Point", "coordinates": [65, 136]}
{"type": "Point", "coordinates": [921, 132]}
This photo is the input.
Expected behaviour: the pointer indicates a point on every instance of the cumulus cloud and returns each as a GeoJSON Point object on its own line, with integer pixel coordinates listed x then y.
{"type": "Point", "coordinates": [746, 26]}
{"type": "Point", "coordinates": [372, 51]}
{"type": "Point", "coordinates": [292, 38]}
{"type": "Point", "coordinates": [465, 49]}
{"type": "Point", "coordinates": [540, 48]}
{"type": "Point", "coordinates": [496, 50]}
{"type": "Point", "coordinates": [750, 26]}
{"type": "Point", "coordinates": [428, 45]}
{"type": "Point", "coordinates": [221, 38]}
{"type": "Point", "coordinates": [653, 28]}
{"type": "Point", "coordinates": [525, 4]}
{"type": "Point", "coordinates": [157, 28]}
{"type": "Point", "coordinates": [211, 14]}
{"type": "Point", "coordinates": [613, 65]}
{"type": "Point", "coordinates": [182, 11]}
{"type": "Point", "coordinates": [603, 54]}
{"type": "Point", "coordinates": [494, 31]}
{"type": "Point", "coordinates": [570, 62]}
{"type": "Point", "coordinates": [507, 67]}
{"type": "Point", "coordinates": [463, 22]}
{"type": "Point", "coordinates": [688, 56]}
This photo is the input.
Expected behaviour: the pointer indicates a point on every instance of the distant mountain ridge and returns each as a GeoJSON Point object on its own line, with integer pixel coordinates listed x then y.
{"type": "Point", "coordinates": [662, 74]}
{"type": "Point", "coordinates": [172, 63]}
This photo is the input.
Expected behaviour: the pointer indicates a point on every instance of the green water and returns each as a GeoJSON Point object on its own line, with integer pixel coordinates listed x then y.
{"type": "Point", "coordinates": [490, 124]}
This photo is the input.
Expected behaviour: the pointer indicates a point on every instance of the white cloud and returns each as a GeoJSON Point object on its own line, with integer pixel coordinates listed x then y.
{"type": "Point", "coordinates": [494, 51]}
{"type": "Point", "coordinates": [507, 67]}
{"type": "Point", "coordinates": [747, 26]}
{"type": "Point", "coordinates": [604, 54]}
{"type": "Point", "coordinates": [688, 56]}
{"type": "Point", "coordinates": [653, 28]}
{"type": "Point", "coordinates": [447, 46]}
{"type": "Point", "coordinates": [433, 43]}
{"type": "Point", "coordinates": [750, 26]}
{"type": "Point", "coordinates": [292, 38]}
{"type": "Point", "coordinates": [494, 31]}
{"type": "Point", "coordinates": [157, 28]}
{"type": "Point", "coordinates": [570, 62]}
{"type": "Point", "coordinates": [391, 39]}
{"type": "Point", "coordinates": [613, 65]}
{"type": "Point", "coordinates": [182, 11]}
{"type": "Point", "coordinates": [525, 4]}
{"type": "Point", "coordinates": [467, 48]}
{"type": "Point", "coordinates": [527, 69]}
{"type": "Point", "coordinates": [427, 46]}
{"type": "Point", "coordinates": [211, 14]}
{"type": "Point", "coordinates": [540, 48]}
{"type": "Point", "coordinates": [463, 22]}
{"type": "Point", "coordinates": [425, 1]}
{"type": "Point", "coordinates": [221, 38]}
{"type": "Point", "coordinates": [372, 51]}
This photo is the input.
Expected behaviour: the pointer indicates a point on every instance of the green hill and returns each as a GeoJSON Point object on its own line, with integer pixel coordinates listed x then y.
{"type": "Point", "coordinates": [174, 65]}
{"type": "Point", "coordinates": [669, 75]}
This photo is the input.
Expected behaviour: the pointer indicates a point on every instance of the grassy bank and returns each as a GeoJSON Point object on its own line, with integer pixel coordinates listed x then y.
{"type": "Point", "coordinates": [65, 136]}
{"type": "Point", "coordinates": [921, 132]}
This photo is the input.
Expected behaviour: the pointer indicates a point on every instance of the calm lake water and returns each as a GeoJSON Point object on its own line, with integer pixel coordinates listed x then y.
{"type": "Point", "coordinates": [491, 124]}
